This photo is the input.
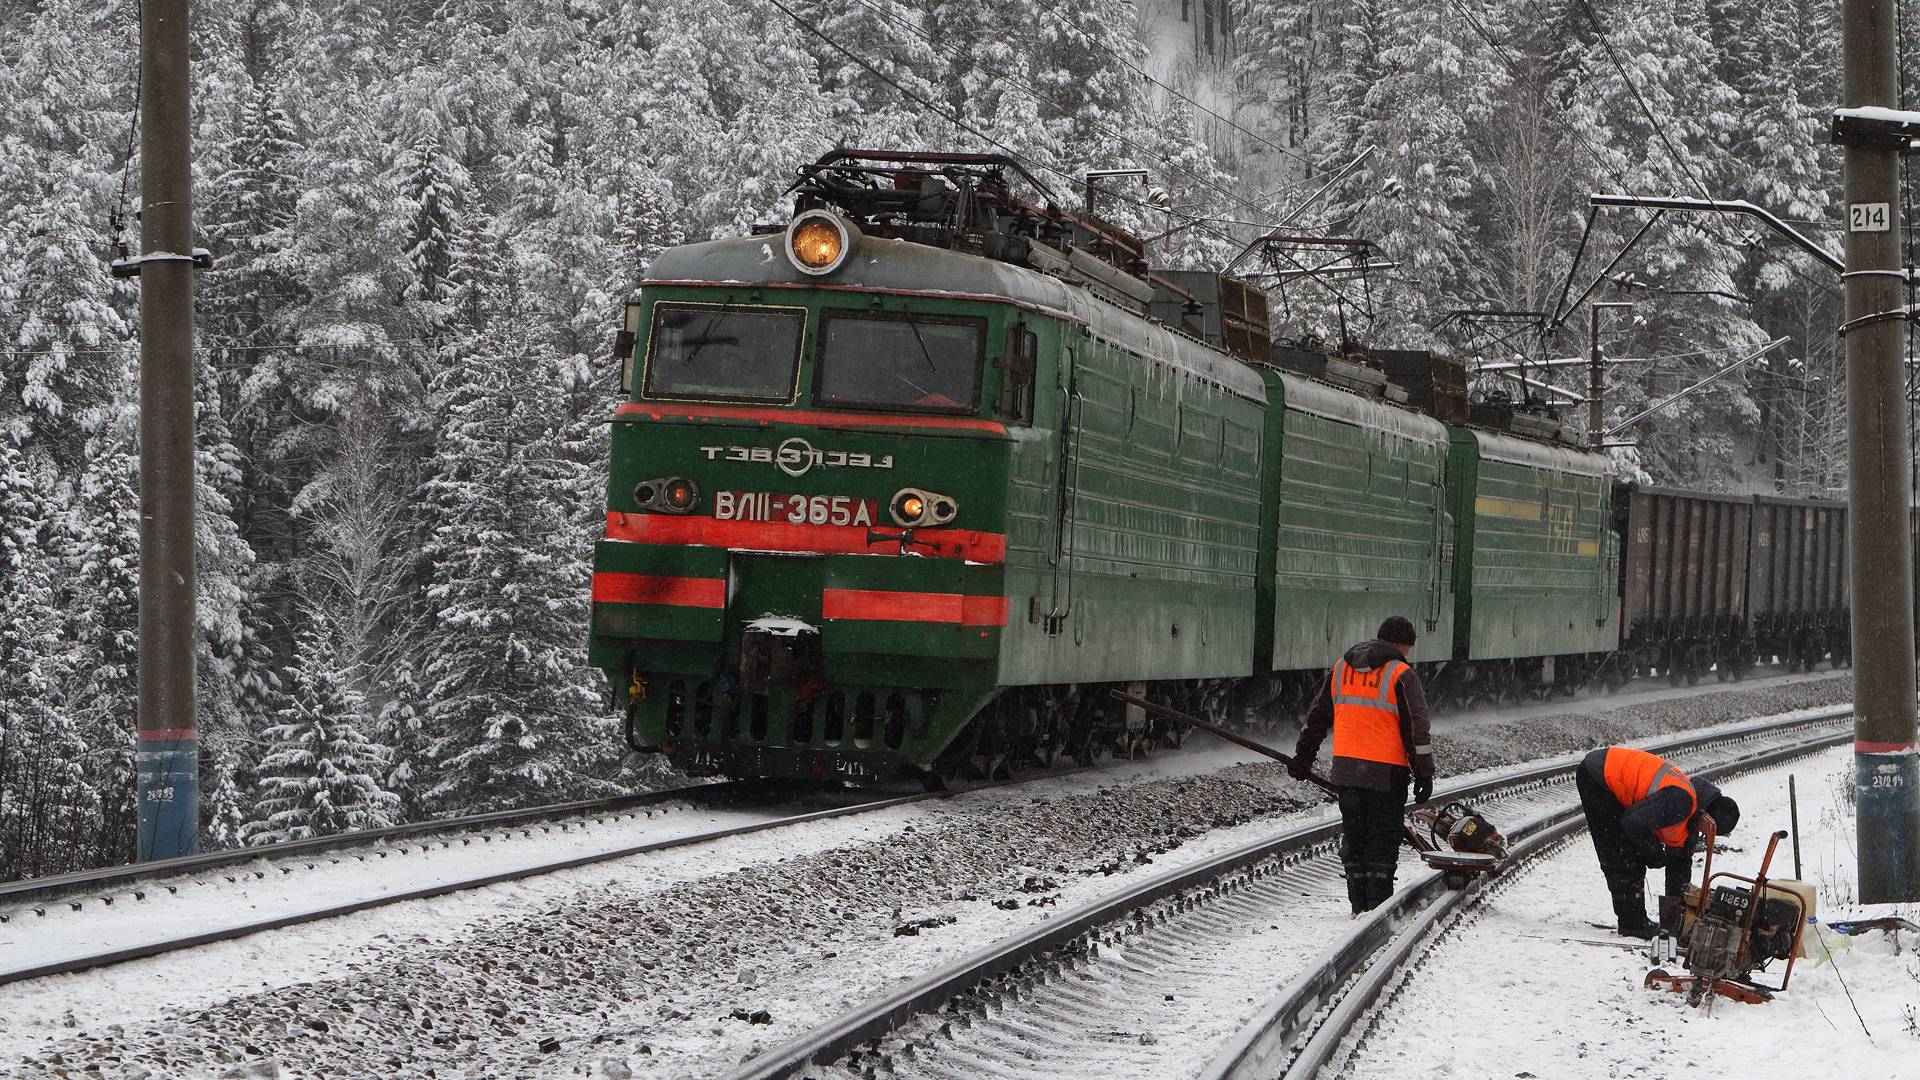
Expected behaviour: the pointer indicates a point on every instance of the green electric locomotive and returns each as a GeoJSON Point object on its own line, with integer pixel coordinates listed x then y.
{"type": "Point", "coordinates": [905, 486]}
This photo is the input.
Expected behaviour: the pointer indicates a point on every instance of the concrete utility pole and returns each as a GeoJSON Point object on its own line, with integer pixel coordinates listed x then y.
{"type": "Point", "coordinates": [1597, 377]}
{"type": "Point", "coordinates": [169, 752]}
{"type": "Point", "coordinates": [1886, 769]}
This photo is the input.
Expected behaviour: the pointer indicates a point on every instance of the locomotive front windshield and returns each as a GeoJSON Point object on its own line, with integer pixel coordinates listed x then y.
{"type": "Point", "coordinates": [724, 353]}
{"type": "Point", "coordinates": [916, 362]}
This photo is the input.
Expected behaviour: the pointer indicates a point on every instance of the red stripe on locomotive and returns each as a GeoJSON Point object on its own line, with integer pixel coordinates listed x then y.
{"type": "Point", "coordinates": [611, 587]}
{"type": "Point", "coordinates": [655, 410]}
{"type": "Point", "coordinates": [977, 547]}
{"type": "Point", "coordinates": [878, 605]}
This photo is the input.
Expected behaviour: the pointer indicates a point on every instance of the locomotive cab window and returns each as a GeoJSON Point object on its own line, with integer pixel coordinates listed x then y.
{"type": "Point", "coordinates": [718, 352]}
{"type": "Point", "coordinates": [919, 363]}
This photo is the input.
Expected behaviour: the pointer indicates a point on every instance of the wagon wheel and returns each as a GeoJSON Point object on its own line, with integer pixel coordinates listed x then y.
{"type": "Point", "coordinates": [1743, 658]}
{"type": "Point", "coordinates": [1699, 659]}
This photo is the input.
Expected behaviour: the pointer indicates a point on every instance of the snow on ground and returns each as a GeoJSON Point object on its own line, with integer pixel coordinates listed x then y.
{"type": "Point", "coordinates": [1517, 992]}
{"type": "Point", "coordinates": [679, 963]}
{"type": "Point", "coordinates": [125, 994]}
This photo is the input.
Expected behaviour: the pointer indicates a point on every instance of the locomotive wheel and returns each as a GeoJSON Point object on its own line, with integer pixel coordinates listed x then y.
{"type": "Point", "coordinates": [1050, 753]}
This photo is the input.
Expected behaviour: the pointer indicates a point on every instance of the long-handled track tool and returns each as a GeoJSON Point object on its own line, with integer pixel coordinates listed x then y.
{"type": "Point", "coordinates": [1449, 837]}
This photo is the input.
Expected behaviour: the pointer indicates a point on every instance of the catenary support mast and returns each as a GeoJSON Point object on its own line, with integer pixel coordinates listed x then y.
{"type": "Point", "coordinates": [168, 755]}
{"type": "Point", "coordinates": [1885, 766]}
{"type": "Point", "coordinates": [1597, 377]}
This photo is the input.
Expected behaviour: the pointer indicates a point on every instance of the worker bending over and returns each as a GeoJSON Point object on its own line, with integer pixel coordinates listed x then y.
{"type": "Point", "coordinates": [1644, 814]}
{"type": "Point", "coordinates": [1377, 709]}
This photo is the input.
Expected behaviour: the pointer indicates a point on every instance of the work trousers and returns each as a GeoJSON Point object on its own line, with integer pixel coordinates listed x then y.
{"type": "Point", "coordinates": [1620, 860]}
{"type": "Point", "coordinates": [1372, 824]}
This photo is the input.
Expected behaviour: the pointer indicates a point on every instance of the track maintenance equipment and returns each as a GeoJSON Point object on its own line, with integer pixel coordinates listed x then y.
{"type": "Point", "coordinates": [1449, 837]}
{"type": "Point", "coordinates": [1730, 932]}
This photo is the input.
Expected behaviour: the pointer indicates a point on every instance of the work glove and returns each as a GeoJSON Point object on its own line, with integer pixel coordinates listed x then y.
{"type": "Point", "coordinates": [1653, 856]}
{"type": "Point", "coordinates": [1422, 788]}
{"type": "Point", "coordinates": [1301, 767]}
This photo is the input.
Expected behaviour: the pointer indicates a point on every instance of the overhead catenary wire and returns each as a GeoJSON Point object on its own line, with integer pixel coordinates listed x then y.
{"type": "Point", "coordinates": [1173, 91]}
{"type": "Point", "coordinates": [116, 220]}
{"type": "Point", "coordinates": [1913, 289]}
{"type": "Point", "coordinates": [1039, 96]}
{"type": "Point", "coordinates": [1659, 129]}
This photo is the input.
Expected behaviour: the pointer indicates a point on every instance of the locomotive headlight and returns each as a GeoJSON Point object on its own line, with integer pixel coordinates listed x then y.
{"type": "Point", "coordinates": [819, 241]}
{"type": "Point", "coordinates": [913, 508]}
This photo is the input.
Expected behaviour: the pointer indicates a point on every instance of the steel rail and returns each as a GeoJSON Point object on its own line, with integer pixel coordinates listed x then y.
{"type": "Point", "coordinates": [86, 881]}
{"type": "Point", "coordinates": [106, 957]}
{"type": "Point", "coordinates": [83, 882]}
{"type": "Point", "coordinates": [874, 1019]}
{"type": "Point", "coordinates": [1345, 984]}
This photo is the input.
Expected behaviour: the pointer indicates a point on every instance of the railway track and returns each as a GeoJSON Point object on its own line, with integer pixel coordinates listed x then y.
{"type": "Point", "coordinates": [1143, 982]}
{"type": "Point", "coordinates": [201, 899]}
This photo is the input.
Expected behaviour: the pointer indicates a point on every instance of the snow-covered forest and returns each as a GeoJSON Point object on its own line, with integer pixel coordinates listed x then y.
{"type": "Point", "coordinates": [424, 217]}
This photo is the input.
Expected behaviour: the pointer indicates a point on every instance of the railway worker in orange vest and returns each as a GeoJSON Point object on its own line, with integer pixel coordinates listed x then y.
{"type": "Point", "coordinates": [1376, 708]}
{"type": "Point", "coordinates": [1645, 814]}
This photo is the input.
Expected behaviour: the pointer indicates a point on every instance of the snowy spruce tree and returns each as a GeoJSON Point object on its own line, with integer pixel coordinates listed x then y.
{"type": "Point", "coordinates": [45, 801]}
{"type": "Point", "coordinates": [514, 717]}
{"type": "Point", "coordinates": [402, 729]}
{"type": "Point", "coordinates": [100, 564]}
{"type": "Point", "coordinates": [321, 773]}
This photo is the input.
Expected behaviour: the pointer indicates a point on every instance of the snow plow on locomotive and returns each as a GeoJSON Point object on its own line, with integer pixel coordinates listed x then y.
{"type": "Point", "coordinates": [911, 483]}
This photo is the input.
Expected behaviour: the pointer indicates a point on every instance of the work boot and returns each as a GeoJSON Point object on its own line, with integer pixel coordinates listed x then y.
{"type": "Point", "coordinates": [1382, 888]}
{"type": "Point", "coordinates": [1630, 913]}
{"type": "Point", "coordinates": [1359, 890]}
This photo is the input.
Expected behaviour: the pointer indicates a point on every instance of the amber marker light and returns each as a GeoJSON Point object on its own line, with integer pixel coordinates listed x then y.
{"type": "Point", "coordinates": [819, 241]}
{"type": "Point", "coordinates": [667, 495]}
{"type": "Point", "coordinates": [680, 494]}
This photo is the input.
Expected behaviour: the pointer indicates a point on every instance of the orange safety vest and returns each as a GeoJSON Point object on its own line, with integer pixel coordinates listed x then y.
{"type": "Point", "coordinates": [1633, 775]}
{"type": "Point", "coordinates": [1366, 713]}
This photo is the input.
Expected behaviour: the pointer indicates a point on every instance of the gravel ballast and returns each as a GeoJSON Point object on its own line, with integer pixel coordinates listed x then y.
{"type": "Point", "coordinates": [629, 977]}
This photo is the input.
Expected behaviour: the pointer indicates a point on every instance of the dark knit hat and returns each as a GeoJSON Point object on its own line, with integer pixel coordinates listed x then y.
{"type": "Point", "coordinates": [1398, 630]}
{"type": "Point", "coordinates": [1725, 814]}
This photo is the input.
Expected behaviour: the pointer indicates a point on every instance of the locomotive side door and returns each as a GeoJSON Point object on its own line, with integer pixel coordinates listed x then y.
{"type": "Point", "coordinates": [1065, 485]}
{"type": "Point", "coordinates": [1442, 556]}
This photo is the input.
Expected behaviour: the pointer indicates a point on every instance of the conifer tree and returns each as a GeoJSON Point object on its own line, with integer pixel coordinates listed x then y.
{"type": "Point", "coordinates": [44, 799]}
{"type": "Point", "coordinates": [321, 773]}
{"type": "Point", "coordinates": [514, 717]}
{"type": "Point", "coordinates": [100, 548]}
{"type": "Point", "coordinates": [402, 729]}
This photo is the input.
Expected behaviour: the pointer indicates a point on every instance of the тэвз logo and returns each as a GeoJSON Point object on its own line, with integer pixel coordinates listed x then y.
{"type": "Point", "coordinates": [796, 455]}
